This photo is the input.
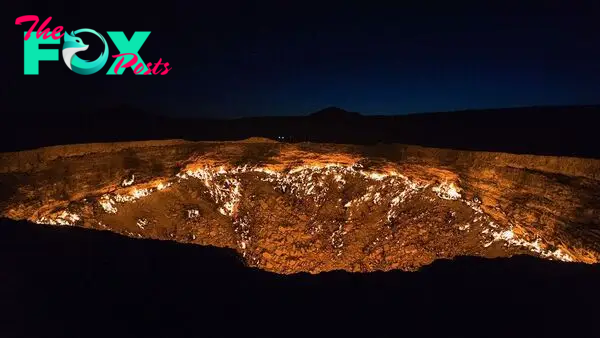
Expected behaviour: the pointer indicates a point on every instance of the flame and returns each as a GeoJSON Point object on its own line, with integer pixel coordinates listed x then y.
{"type": "Point", "coordinates": [537, 246]}
{"type": "Point", "coordinates": [64, 218]}
{"type": "Point", "coordinates": [128, 182]}
{"type": "Point", "coordinates": [313, 179]}
{"type": "Point", "coordinates": [448, 191]}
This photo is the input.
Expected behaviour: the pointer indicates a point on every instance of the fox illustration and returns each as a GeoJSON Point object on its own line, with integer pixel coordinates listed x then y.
{"type": "Point", "coordinates": [71, 46]}
{"type": "Point", "coordinates": [74, 44]}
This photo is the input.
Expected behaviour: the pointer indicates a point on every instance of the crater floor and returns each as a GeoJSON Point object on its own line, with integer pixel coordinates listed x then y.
{"type": "Point", "coordinates": [311, 207]}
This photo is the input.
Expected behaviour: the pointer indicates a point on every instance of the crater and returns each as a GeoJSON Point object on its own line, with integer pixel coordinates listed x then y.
{"type": "Point", "coordinates": [310, 207]}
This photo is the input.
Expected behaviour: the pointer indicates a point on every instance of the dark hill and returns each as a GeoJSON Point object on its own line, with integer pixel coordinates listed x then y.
{"type": "Point", "coordinates": [563, 131]}
{"type": "Point", "coordinates": [334, 113]}
{"type": "Point", "coordinates": [71, 282]}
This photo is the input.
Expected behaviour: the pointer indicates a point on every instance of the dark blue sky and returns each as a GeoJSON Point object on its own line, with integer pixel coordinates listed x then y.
{"type": "Point", "coordinates": [242, 59]}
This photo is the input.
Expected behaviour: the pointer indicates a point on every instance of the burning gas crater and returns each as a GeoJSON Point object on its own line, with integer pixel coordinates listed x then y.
{"type": "Point", "coordinates": [108, 201]}
{"type": "Point", "coordinates": [384, 193]}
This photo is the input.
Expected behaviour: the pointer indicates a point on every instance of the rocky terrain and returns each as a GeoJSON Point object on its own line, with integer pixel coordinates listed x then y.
{"type": "Point", "coordinates": [310, 207]}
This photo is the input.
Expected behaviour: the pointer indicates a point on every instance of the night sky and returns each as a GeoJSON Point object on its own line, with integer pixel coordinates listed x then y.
{"type": "Point", "coordinates": [232, 59]}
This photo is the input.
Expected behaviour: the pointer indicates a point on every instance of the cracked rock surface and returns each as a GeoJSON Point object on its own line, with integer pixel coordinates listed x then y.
{"type": "Point", "coordinates": [312, 207]}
